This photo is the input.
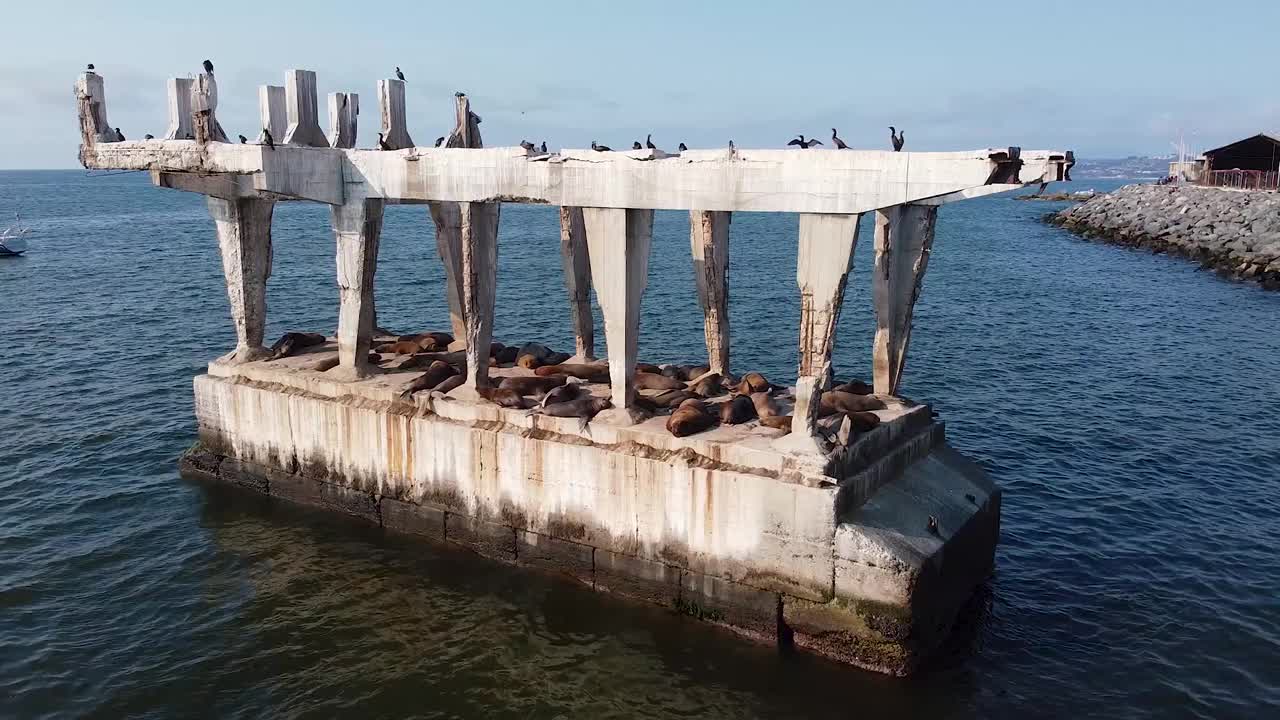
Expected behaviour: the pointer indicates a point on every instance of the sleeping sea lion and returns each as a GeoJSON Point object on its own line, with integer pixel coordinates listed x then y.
{"type": "Point", "coordinates": [562, 393]}
{"type": "Point", "coordinates": [691, 417]}
{"type": "Point", "coordinates": [437, 373]}
{"type": "Point", "coordinates": [764, 405]}
{"type": "Point", "coordinates": [535, 355]}
{"type": "Point", "coordinates": [292, 342]}
{"type": "Point", "coordinates": [863, 421]}
{"type": "Point", "coordinates": [739, 409]}
{"type": "Point", "coordinates": [855, 387]}
{"type": "Point", "coordinates": [708, 385]}
{"type": "Point", "coordinates": [654, 381]}
{"type": "Point", "coordinates": [591, 372]}
{"type": "Point", "coordinates": [671, 398]}
{"type": "Point", "coordinates": [400, 347]}
{"type": "Point", "coordinates": [777, 422]}
{"type": "Point", "coordinates": [533, 385]}
{"type": "Point", "coordinates": [506, 355]}
{"type": "Point", "coordinates": [753, 382]}
{"type": "Point", "coordinates": [643, 367]}
{"type": "Point", "coordinates": [847, 402]}
{"type": "Point", "coordinates": [585, 407]}
{"type": "Point", "coordinates": [679, 372]}
{"type": "Point", "coordinates": [451, 383]}
{"type": "Point", "coordinates": [504, 397]}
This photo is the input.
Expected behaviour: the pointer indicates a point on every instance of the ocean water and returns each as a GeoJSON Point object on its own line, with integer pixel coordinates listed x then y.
{"type": "Point", "coordinates": [1126, 402]}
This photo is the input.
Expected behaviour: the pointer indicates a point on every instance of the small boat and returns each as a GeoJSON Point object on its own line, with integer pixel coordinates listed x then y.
{"type": "Point", "coordinates": [13, 241]}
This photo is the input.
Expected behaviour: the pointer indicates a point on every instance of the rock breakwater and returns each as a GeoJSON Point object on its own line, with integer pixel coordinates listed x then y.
{"type": "Point", "coordinates": [1236, 233]}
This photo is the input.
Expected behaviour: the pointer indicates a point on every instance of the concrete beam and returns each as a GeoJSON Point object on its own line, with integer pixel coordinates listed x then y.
{"type": "Point", "coordinates": [394, 128]}
{"type": "Point", "coordinates": [618, 241]}
{"type": "Point", "coordinates": [479, 285]}
{"type": "Point", "coordinates": [904, 239]}
{"type": "Point", "coordinates": [822, 270]}
{"type": "Point", "coordinates": [204, 110]}
{"type": "Point", "coordinates": [244, 239]}
{"type": "Point", "coordinates": [343, 109]}
{"type": "Point", "coordinates": [357, 226]}
{"type": "Point", "coordinates": [300, 106]}
{"type": "Point", "coordinates": [577, 280]}
{"type": "Point", "coordinates": [226, 187]}
{"type": "Point", "coordinates": [178, 91]}
{"type": "Point", "coordinates": [272, 113]}
{"type": "Point", "coordinates": [709, 239]}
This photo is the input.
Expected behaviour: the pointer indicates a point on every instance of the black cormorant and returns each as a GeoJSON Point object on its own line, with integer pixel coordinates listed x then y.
{"type": "Point", "coordinates": [119, 135]}
{"type": "Point", "coordinates": [208, 67]}
{"type": "Point", "coordinates": [399, 75]}
{"type": "Point", "coordinates": [90, 66]}
{"type": "Point", "coordinates": [382, 143]}
{"type": "Point", "coordinates": [439, 141]}
{"type": "Point", "coordinates": [683, 147]}
{"type": "Point", "coordinates": [648, 142]}
{"type": "Point", "coordinates": [600, 148]}
{"type": "Point", "coordinates": [805, 144]}
{"type": "Point", "coordinates": [243, 140]}
{"type": "Point", "coordinates": [266, 135]}
{"type": "Point", "coordinates": [543, 148]}
{"type": "Point", "coordinates": [897, 138]}
{"type": "Point", "coordinates": [837, 141]}
{"type": "Point", "coordinates": [528, 146]}
{"type": "Point", "coordinates": [148, 136]}
{"type": "Point", "coordinates": [636, 145]}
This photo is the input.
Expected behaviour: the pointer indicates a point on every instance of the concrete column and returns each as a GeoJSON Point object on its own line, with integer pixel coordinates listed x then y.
{"type": "Point", "coordinates": [466, 131]}
{"type": "Point", "coordinates": [300, 106]}
{"type": "Point", "coordinates": [822, 269]}
{"type": "Point", "coordinates": [709, 238]}
{"type": "Point", "coordinates": [577, 280]}
{"type": "Point", "coordinates": [448, 220]}
{"type": "Point", "coordinates": [272, 113]}
{"type": "Point", "coordinates": [91, 100]}
{"type": "Point", "coordinates": [904, 238]}
{"type": "Point", "coordinates": [343, 109]}
{"type": "Point", "coordinates": [357, 226]}
{"type": "Point", "coordinates": [479, 284]}
{"type": "Point", "coordinates": [179, 91]}
{"type": "Point", "coordinates": [204, 110]}
{"type": "Point", "coordinates": [394, 129]}
{"type": "Point", "coordinates": [618, 240]}
{"type": "Point", "coordinates": [244, 238]}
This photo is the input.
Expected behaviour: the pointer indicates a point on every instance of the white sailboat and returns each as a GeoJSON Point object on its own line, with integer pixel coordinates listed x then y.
{"type": "Point", "coordinates": [13, 241]}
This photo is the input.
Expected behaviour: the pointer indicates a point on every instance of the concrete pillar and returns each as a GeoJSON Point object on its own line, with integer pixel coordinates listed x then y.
{"type": "Point", "coordinates": [91, 100]}
{"type": "Point", "coordinates": [394, 128]}
{"type": "Point", "coordinates": [822, 269]}
{"type": "Point", "coordinates": [709, 238]}
{"type": "Point", "coordinates": [343, 109]}
{"type": "Point", "coordinates": [904, 238]}
{"type": "Point", "coordinates": [479, 284]}
{"type": "Point", "coordinates": [300, 106]}
{"type": "Point", "coordinates": [179, 91]}
{"type": "Point", "coordinates": [618, 240]}
{"type": "Point", "coordinates": [466, 130]}
{"type": "Point", "coordinates": [244, 238]}
{"type": "Point", "coordinates": [272, 113]}
{"type": "Point", "coordinates": [577, 280]}
{"type": "Point", "coordinates": [357, 226]}
{"type": "Point", "coordinates": [448, 220]}
{"type": "Point", "coordinates": [204, 110]}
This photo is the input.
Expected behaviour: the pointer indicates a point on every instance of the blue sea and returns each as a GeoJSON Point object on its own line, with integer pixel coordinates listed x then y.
{"type": "Point", "coordinates": [1128, 404]}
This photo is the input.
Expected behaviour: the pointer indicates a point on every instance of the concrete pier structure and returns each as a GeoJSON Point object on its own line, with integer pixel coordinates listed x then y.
{"type": "Point", "coordinates": [856, 538]}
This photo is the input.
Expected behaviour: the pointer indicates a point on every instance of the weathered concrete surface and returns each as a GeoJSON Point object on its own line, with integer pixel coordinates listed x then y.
{"type": "Point", "coordinates": [577, 280]}
{"type": "Point", "coordinates": [717, 525]}
{"type": "Point", "coordinates": [1235, 232]}
{"type": "Point", "coordinates": [904, 240]}
{"type": "Point", "coordinates": [709, 242]}
{"type": "Point", "coordinates": [357, 226]}
{"type": "Point", "coordinates": [244, 240]}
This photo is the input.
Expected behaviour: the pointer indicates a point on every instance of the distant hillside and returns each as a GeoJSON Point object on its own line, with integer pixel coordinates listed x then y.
{"type": "Point", "coordinates": [1130, 168]}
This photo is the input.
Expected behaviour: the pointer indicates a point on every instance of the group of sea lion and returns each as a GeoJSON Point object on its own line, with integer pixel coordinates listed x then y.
{"type": "Point", "coordinates": [751, 399]}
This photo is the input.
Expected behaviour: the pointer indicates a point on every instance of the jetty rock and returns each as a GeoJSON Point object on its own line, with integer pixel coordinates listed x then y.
{"type": "Point", "coordinates": [1234, 232]}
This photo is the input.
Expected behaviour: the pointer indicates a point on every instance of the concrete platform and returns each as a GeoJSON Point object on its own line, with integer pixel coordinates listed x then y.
{"type": "Point", "coordinates": [830, 551]}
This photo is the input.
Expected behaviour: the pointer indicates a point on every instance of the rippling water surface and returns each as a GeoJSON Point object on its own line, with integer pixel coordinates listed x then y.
{"type": "Point", "coordinates": [1126, 402]}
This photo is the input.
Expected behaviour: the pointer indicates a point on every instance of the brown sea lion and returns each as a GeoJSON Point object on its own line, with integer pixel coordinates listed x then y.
{"type": "Point", "coordinates": [846, 402]}
{"type": "Point", "coordinates": [654, 381]}
{"type": "Point", "coordinates": [671, 398]}
{"type": "Point", "coordinates": [679, 372]}
{"type": "Point", "coordinates": [535, 355]}
{"type": "Point", "coordinates": [863, 421]}
{"type": "Point", "coordinates": [292, 342]}
{"type": "Point", "coordinates": [591, 372]}
{"type": "Point", "coordinates": [585, 407]}
{"type": "Point", "coordinates": [764, 404]}
{"type": "Point", "coordinates": [708, 385]}
{"type": "Point", "coordinates": [434, 375]}
{"type": "Point", "coordinates": [855, 387]}
{"type": "Point", "coordinates": [505, 397]}
{"type": "Point", "coordinates": [739, 409]}
{"type": "Point", "coordinates": [495, 347]}
{"type": "Point", "coordinates": [644, 367]}
{"type": "Point", "coordinates": [506, 355]}
{"type": "Point", "coordinates": [451, 383]}
{"type": "Point", "coordinates": [777, 422]}
{"type": "Point", "coordinates": [400, 347]}
{"type": "Point", "coordinates": [533, 385]}
{"type": "Point", "coordinates": [562, 393]}
{"type": "Point", "coordinates": [753, 382]}
{"type": "Point", "coordinates": [691, 417]}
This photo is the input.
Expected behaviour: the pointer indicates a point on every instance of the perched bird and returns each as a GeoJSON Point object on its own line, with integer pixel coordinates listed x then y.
{"type": "Point", "coordinates": [837, 141]}
{"type": "Point", "coordinates": [897, 138]}
{"type": "Point", "coordinates": [528, 146]}
{"type": "Point", "coordinates": [266, 135]}
{"type": "Point", "coordinates": [90, 66]}
{"type": "Point", "coordinates": [543, 147]}
{"type": "Point", "coordinates": [731, 147]}
{"type": "Point", "coordinates": [399, 75]}
{"type": "Point", "coordinates": [119, 135]}
{"type": "Point", "coordinates": [636, 145]}
{"type": "Point", "coordinates": [208, 67]}
{"type": "Point", "coordinates": [459, 94]}
{"type": "Point", "coordinates": [805, 144]}
{"type": "Point", "coordinates": [683, 147]}
{"type": "Point", "coordinates": [600, 148]}
{"type": "Point", "coordinates": [382, 143]}
{"type": "Point", "coordinates": [933, 525]}
{"type": "Point", "coordinates": [243, 140]}
{"type": "Point", "coordinates": [148, 136]}
{"type": "Point", "coordinates": [439, 141]}
{"type": "Point", "coordinates": [648, 142]}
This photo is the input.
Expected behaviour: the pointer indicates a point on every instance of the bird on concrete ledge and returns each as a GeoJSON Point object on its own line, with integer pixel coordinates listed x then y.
{"type": "Point", "coordinates": [933, 525]}
{"type": "Point", "coordinates": [805, 144]}
{"type": "Point", "coordinates": [382, 143]}
{"type": "Point", "coordinates": [148, 136]}
{"type": "Point", "coordinates": [439, 141]}
{"type": "Point", "coordinates": [528, 146]}
{"type": "Point", "coordinates": [399, 75]}
{"type": "Point", "coordinates": [648, 142]}
{"type": "Point", "coordinates": [543, 148]}
{"type": "Point", "coordinates": [600, 148]}
{"type": "Point", "coordinates": [266, 135]}
{"type": "Point", "coordinates": [119, 135]}
{"type": "Point", "coordinates": [90, 66]}
{"type": "Point", "coordinates": [837, 141]}
{"type": "Point", "coordinates": [243, 140]}
{"type": "Point", "coordinates": [636, 145]}
{"type": "Point", "coordinates": [897, 138]}
{"type": "Point", "coordinates": [208, 67]}
{"type": "Point", "coordinates": [683, 147]}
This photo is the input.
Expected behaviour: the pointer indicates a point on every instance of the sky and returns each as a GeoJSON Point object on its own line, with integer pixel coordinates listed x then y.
{"type": "Point", "coordinates": [1107, 79]}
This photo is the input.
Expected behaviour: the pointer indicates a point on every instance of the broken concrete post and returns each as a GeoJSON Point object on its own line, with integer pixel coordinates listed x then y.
{"type": "Point", "coordinates": [466, 130]}
{"type": "Point", "coordinates": [204, 106]}
{"type": "Point", "coordinates": [179, 91]}
{"type": "Point", "coordinates": [343, 108]}
{"type": "Point", "coordinates": [300, 105]}
{"type": "Point", "coordinates": [244, 239]}
{"type": "Point", "coordinates": [479, 284]}
{"type": "Point", "coordinates": [91, 102]}
{"type": "Point", "coordinates": [822, 269]}
{"type": "Point", "coordinates": [904, 238]}
{"type": "Point", "coordinates": [709, 238]}
{"type": "Point", "coordinates": [357, 226]}
{"type": "Point", "coordinates": [272, 113]}
{"type": "Point", "coordinates": [394, 128]}
{"type": "Point", "coordinates": [448, 221]}
{"type": "Point", "coordinates": [618, 240]}
{"type": "Point", "coordinates": [577, 280]}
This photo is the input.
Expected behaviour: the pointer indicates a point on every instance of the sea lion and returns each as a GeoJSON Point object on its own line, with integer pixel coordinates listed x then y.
{"type": "Point", "coordinates": [644, 367]}
{"type": "Point", "coordinates": [585, 407]}
{"type": "Point", "coordinates": [428, 340]}
{"type": "Point", "coordinates": [593, 372]}
{"type": "Point", "coordinates": [671, 398]}
{"type": "Point", "coordinates": [535, 355]}
{"type": "Point", "coordinates": [654, 381]}
{"type": "Point", "coordinates": [777, 422]}
{"type": "Point", "coordinates": [400, 347]}
{"type": "Point", "coordinates": [855, 387]}
{"type": "Point", "coordinates": [533, 385]}
{"type": "Point", "coordinates": [691, 417]}
{"type": "Point", "coordinates": [292, 342]}
{"type": "Point", "coordinates": [505, 397]}
{"type": "Point", "coordinates": [764, 404]}
{"type": "Point", "coordinates": [562, 393]}
{"type": "Point", "coordinates": [863, 421]}
{"type": "Point", "coordinates": [451, 383]}
{"type": "Point", "coordinates": [495, 347]}
{"type": "Point", "coordinates": [439, 371]}
{"type": "Point", "coordinates": [753, 382]}
{"type": "Point", "coordinates": [739, 409]}
{"type": "Point", "coordinates": [709, 385]}
{"type": "Point", "coordinates": [679, 372]}
{"type": "Point", "coordinates": [847, 402]}
{"type": "Point", "coordinates": [506, 355]}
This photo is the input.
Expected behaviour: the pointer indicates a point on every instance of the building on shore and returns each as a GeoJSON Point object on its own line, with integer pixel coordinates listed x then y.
{"type": "Point", "coordinates": [1251, 163]}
